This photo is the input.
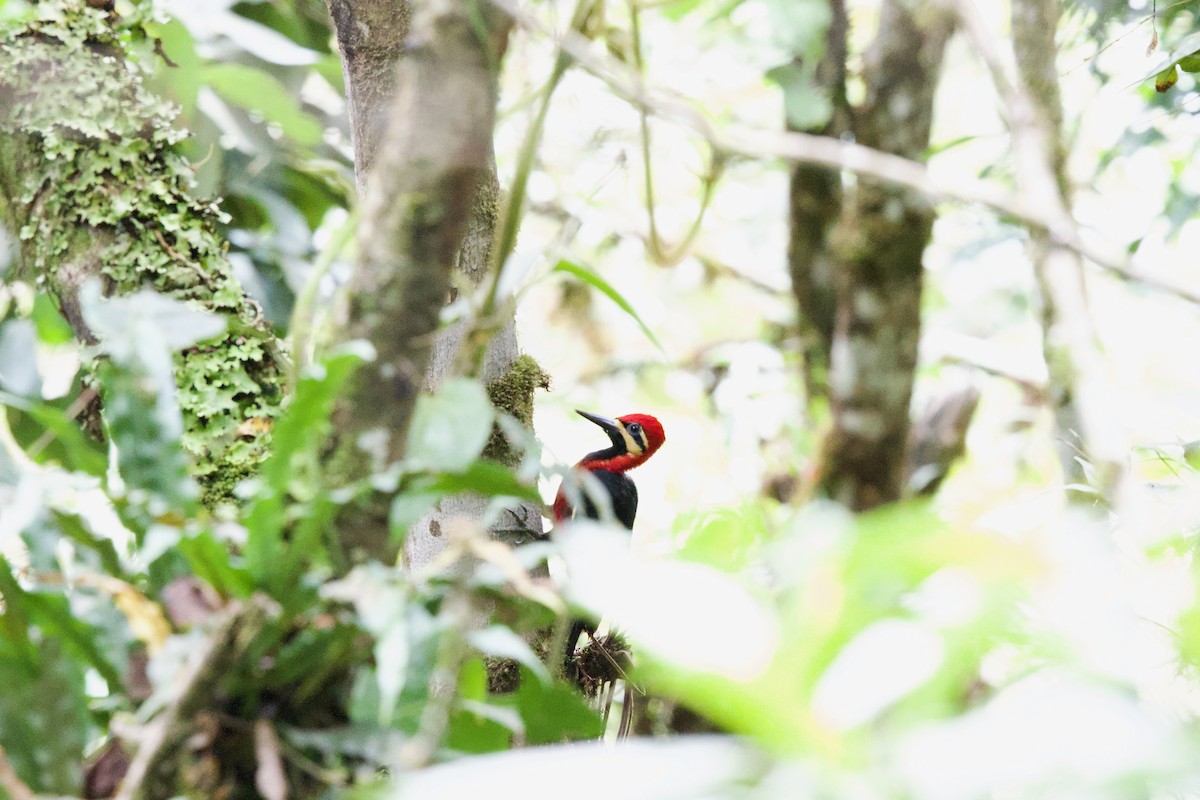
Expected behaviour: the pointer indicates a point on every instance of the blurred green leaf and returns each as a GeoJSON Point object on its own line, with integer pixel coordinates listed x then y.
{"type": "Point", "coordinates": [471, 731]}
{"type": "Point", "coordinates": [44, 724]}
{"type": "Point", "coordinates": [554, 712]}
{"type": "Point", "coordinates": [141, 332]}
{"type": "Point", "coordinates": [805, 105]}
{"type": "Point", "coordinates": [593, 279]}
{"type": "Point", "coordinates": [482, 477]}
{"type": "Point", "coordinates": [212, 562]}
{"type": "Point", "coordinates": [52, 327]}
{"type": "Point", "coordinates": [408, 507]}
{"type": "Point", "coordinates": [80, 452]}
{"type": "Point", "coordinates": [258, 91]}
{"type": "Point", "coordinates": [798, 26]}
{"type": "Point", "coordinates": [18, 361]}
{"type": "Point", "coordinates": [450, 428]}
{"type": "Point", "coordinates": [135, 327]}
{"type": "Point", "coordinates": [503, 642]}
{"type": "Point", "coordinates": [143, 420]}
{"type": "Point", "coordinates": [724, 538]}
{"type": "Point", "coordinates": [293, 472]}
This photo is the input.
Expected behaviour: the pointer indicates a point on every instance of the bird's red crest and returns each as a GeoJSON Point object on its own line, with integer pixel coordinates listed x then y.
{"type": "Point", "coordinates": [652, 428]}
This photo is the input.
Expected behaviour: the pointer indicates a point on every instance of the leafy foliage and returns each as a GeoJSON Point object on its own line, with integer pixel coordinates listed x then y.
{"type": "Point", "coordinates": [986, 642]}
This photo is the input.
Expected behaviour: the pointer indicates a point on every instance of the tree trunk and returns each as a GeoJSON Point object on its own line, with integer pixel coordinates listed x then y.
{"type": "Point", "coordinates": [422, 120]}
{"type": "Point", "coordinates": [91, 186]}
{"type": "Point", "coordinates": [856, 257]}
{"type": "Point", "coordinates": [1069, 339]}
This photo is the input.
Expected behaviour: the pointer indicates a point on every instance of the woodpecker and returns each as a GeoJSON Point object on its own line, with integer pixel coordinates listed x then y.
{"type": "Point", "coordinates": [634, 437]}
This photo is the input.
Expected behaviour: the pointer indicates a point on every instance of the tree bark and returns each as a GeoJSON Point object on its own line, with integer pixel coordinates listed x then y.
{"type": "Point", "coordinates": [815, 197]}
{"type": "Point", "coordinates": [856, 257]}
{"type": "Point", "coordinates": [1079, 386]}
{"type": "Point", "coordinates": [1069, 339]}
{"type": "Point", "coordinates": [92, 188]}
{"type": "Point", "coordinates": [430, 203]}
{"type": "Point", "coordinates": [371, 38]}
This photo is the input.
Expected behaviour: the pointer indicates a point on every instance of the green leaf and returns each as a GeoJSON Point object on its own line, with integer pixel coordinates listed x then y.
{"type": "Point", "coordinates": [475, 733]}
{"type": "Point", "coordinates": [1164, 80]}
{"type": "Point", "coordinates": [255, 90]}
{"type": "Point", "coordinates": [554, 712]}
{"type": "Point", "coordinates": [294, 469]}
{"type": "Point", "coordinates": [52, 327]}
{"type": "Point", "coordinates": [798, 26]}
{"type": "Point", "coordinates": [804, 103]}
{"type": "Point", "coordinates": [449, 429]}
{"type": "Point", "coordinates": [141, 332]}
{"type": "Point", "coordinates": [421, 493]}
{"type": "Point", "coordinates": [51, 614]}
{"type": "Point", "coordinates": [82, 454]}
{"type": "Point", "coordinates": [143, 420]}
{"type": "Point", "coordinates": [724, 538]}
{"type": "Point", "coordinates": [18, 365]}
{"type": "Point", "coordinates": [44, 725]}
{"type": "Point", "coordinates": [210, 560]}
{"type": "Point", "coordinates": [482, 477]}
{"type": "Point", "coordinates": [473, 680]}
{"type": "Point", "coordinates": [133, 326]}
{"type": "Point", "coordinates": [408, 507]}
{"type": "Point", "coordinates": [591, 278]}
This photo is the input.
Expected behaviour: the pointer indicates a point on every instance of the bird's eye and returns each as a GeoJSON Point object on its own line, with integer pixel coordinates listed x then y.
{"type": "Point", "coordinates": [635, 428]}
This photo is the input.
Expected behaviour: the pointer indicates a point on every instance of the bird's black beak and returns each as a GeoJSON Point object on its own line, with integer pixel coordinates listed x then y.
{"type": "Point", "coordinates": [610, 426]}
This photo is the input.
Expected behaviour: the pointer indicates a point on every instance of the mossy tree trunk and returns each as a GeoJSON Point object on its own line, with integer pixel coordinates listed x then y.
{"type": "Point", "coordinates": [856, 254]}
{"type": "Point", "coordinates": [92, 187]}
{"type": "Point", "coordinates": [421, 79]}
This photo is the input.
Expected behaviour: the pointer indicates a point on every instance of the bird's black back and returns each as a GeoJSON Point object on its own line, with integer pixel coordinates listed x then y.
{"type": "Point", "coordinates": [622, 493]}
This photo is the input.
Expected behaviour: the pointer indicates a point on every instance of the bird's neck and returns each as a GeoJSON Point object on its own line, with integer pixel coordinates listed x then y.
{"type": "Point", "coordinates": [614, 459]}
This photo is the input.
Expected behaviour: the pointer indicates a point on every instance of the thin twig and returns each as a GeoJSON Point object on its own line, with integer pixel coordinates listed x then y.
{"type": "Point", "coordinates": [74, 410]}
{"type": "Point", "coordinates": [662, 253]}
{"type": "Point", "coordinates": [205, 278]}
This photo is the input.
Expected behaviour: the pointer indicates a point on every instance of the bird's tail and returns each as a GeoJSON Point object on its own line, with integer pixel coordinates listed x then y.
{"type": "Point", "coordinates": [578, 626]}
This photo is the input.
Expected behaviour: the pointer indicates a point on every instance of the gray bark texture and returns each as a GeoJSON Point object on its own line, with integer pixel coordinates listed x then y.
{"type": "Point", "coordinates": [421, 79]}
{"type": "Point", "coordinates": [856, 255]}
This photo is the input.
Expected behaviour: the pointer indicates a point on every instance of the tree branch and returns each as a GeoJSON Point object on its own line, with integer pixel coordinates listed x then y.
{"type": "Point", "coordinates": [1079, 385]}
{"type": "Point", "coordinates": [795, 147]}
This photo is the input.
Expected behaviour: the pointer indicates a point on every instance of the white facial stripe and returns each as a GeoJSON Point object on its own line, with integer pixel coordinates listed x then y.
{"type": "Point", "coordinates": [631, 444]}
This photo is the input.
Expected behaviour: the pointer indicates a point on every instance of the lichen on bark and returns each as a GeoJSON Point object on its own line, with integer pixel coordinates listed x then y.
{"type": "Point", "coordinates": [92, 186]}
